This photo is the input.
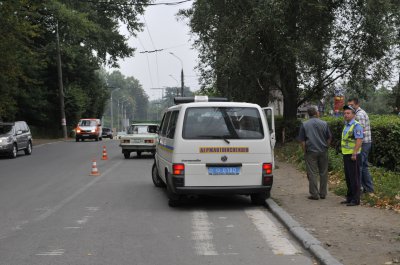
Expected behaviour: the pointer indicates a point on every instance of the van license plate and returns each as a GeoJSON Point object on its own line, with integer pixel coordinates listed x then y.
{"type": "Point", "coordinates": [224, 170]}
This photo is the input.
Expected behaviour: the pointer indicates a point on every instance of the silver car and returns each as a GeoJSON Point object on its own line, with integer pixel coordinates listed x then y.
{"type": "Point", "coordinates": [14, 137]}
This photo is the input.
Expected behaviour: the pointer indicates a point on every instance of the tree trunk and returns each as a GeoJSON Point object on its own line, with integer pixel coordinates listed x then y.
{"type": "Point", "coordinates": [288, 78]}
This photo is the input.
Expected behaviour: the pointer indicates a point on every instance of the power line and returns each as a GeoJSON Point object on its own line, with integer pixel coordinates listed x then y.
{"type": "Point", "coordinates": [163, 49]}
{"type": "Point", "coordinates": [148, 62]}
{"type": "Point", "coordinates": [154, 47]}
{"type": "Point", "coordinates": [137, 4]}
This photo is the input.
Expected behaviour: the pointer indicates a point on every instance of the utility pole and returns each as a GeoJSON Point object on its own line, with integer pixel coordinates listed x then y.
{"type": "Point", "coordinates": [111, 109]}
{"type": "Point", "coordinates": [182, 76]}
{"type": "Point", "coordinates": [177, 83]}
{"type": "Point", "coordinates": [60, 86]}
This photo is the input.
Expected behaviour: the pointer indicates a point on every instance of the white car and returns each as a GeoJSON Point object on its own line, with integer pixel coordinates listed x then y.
{"type": "Point", "coordinates": [140, 137]}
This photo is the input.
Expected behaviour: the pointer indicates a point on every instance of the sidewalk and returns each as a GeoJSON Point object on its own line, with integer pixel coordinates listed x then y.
{"type": "Point", "coordinates": [352, 235]}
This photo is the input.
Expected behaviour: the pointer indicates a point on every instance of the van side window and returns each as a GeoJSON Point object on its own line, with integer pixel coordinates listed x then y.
{"type": "Point", "coordinates": [172, 124]}
{"type": "Point", "coordinates": [165, 124]}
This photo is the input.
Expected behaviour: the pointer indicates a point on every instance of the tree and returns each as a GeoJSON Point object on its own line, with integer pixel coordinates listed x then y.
{"type": "Point", "coordinates": [89, 37]}
{"type": "Point", "coordinates": [247, 48]}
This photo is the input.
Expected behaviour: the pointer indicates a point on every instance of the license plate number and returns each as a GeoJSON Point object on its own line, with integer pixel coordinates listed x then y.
{"type": "Point", "coordinates": [137, 140]}
{"type": "Point", "coordinates": [224, 170]}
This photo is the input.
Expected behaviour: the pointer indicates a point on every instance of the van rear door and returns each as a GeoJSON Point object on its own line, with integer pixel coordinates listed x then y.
{"type": "Point", "coordinates": [223, 146]}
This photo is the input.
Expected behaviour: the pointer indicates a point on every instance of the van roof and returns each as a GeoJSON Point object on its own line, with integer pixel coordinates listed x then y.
{"type": "Point", "coordinates": [215, 104]}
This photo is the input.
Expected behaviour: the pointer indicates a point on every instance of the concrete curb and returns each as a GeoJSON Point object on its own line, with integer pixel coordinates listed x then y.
{"type": "Point", "coordinates": [306, 239]}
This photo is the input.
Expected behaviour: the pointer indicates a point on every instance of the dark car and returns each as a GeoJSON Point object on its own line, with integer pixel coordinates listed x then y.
{"type": "Point", "coordinates": [107, 133]}
{"type": "Point", "coordinates": [14, 137]}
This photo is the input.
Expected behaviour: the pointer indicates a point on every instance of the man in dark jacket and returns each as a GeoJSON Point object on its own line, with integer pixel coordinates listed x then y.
{"type": "Point", "coordinates": [315, 138]}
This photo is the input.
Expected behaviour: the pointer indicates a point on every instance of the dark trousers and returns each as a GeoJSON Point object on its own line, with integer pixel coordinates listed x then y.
{"type": "Point", "coordinates": [352, 174]}
{"type": "Point", "coordinates": [317, 168]}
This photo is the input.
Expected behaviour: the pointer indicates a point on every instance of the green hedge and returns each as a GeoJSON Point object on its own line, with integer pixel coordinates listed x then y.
{"type": "Point", "coordinates": [385, 131]}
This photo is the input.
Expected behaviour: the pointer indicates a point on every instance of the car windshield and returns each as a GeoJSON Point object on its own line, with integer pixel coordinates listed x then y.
{"type": "Point", "coordinates": [222, 123]}
{"type": "Point", "coordinates": [5, 129]}
{"type": "Point", "coordinates": [87, 123]}
{"type": "Point", "coordinates": [141, 129]}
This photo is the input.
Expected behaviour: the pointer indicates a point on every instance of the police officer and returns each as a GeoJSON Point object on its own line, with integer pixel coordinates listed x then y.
{"type": "Point", "coordinates": [351, 142]}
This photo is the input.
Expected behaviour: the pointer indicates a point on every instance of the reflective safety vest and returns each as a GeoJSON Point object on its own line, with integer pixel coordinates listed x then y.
{"type": "Point", "coordinates": [348, 141]}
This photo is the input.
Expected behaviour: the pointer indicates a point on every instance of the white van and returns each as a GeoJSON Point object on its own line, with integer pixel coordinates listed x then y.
{"type": "Point", "coordinates": [210, 146]}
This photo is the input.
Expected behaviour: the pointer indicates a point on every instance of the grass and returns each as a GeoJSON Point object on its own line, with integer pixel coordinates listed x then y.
{"type": "Point", "coordinates": [386, 183]}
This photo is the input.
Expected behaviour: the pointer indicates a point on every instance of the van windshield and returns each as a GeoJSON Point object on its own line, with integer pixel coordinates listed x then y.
{"type": "Point", "coordinates": [87, 123]}
{"type": "Point", "coordinates": [5, 129]}
{"type": "Point", "coordinates": [222, 123]}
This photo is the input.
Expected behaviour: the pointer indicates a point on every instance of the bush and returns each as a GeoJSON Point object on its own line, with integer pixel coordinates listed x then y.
{"type": "Point", "coordinates": [385, 130]}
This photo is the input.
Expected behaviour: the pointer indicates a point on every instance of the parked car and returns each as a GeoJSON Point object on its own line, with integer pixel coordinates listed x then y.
{"type": "Point", "coordinates": [107, 133]}
{"type": "Point", "coordinates": [14, 137]}
{"type": "Point", "coordinates": [140, 137]}
{"type": "Point", "coordinates": [88, 129]}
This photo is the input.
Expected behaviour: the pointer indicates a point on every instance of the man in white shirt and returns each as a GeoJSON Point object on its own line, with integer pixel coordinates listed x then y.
{"type": "Point", "coordinates": [363, 119]}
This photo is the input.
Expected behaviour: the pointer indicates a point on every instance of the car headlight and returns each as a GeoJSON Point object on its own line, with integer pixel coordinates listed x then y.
{"type": "Point", "coordinates": [5, 140]}
{"type": "Point", "coordinates": [93, 130]}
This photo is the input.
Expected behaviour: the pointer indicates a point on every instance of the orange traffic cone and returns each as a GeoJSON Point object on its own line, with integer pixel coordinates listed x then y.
{"type": "Point", "coordinates": [104, 157]}
{"type": "Point", "coordinates": [94, 172]}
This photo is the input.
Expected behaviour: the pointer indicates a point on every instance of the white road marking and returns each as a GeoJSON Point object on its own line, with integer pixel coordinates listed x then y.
{"type": "Point", "coordinates": [271, 233]}
{"type": "Point", "coordinates": [83, 220]}
{"type": "Point", "coordinates": [202, 235]}
{"type": "Point", "coordinates": [92, 209]}
{"type": "Point", "coordinates": [56, 252]}
{"type": "Point", "coordinates": [72, 227]}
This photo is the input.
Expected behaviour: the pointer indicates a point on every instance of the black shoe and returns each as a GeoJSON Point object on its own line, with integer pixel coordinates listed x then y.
{"type": "Point", "coordinates": [352, 204]}
{"type": "Point", "coordinates": [312, 198]}
{"type": "Point", "coordinates": [322, 197]}
{"type": "Point", "coordinates": [344, 202]}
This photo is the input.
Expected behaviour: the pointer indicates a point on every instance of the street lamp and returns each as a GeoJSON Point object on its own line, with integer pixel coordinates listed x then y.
{"type": "Point", "coordinates": [182, 78]}
{"type": "Point", "coordinates": [111, 108]}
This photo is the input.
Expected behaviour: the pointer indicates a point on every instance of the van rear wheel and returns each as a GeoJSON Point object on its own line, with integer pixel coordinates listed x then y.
{"type": "Point", "coordinates": [127, 155]}
{"type": "Point", "coordinates": [173, 198]}
{"type": "Point", "coordinates": [258, 198]}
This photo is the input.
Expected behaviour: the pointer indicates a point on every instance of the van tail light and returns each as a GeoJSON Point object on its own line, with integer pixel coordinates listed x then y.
{"type": "Point", "coordinates": [149, 141]}
{"type": "Point", "coordinates": [178, 169]}
{"type": "Point", "coordinates": [178, 175]}
{"type": "Point", "coordinates": [267, 177]}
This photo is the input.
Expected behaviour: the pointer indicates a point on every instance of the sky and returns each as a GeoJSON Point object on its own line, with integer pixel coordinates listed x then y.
{"type": "Point", "coordinates": [162, 30]}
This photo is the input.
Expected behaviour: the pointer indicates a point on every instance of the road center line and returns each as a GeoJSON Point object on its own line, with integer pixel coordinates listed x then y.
{"type": "Point", "coordinates": [49, 211]}
{"type": "Point", "coordinates": [75, 194]}
{"type": "Point", "coordinates": [271, 233]}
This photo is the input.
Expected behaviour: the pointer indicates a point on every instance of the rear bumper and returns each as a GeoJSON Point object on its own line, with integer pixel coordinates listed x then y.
{"type": "Point", "coordinates": [242, 190]}
{"type": "Point", "coordinates": [144, 148]}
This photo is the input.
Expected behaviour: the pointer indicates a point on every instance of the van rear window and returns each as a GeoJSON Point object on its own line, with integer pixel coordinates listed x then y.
{"type": "Point", "coordinates": [222, 123]}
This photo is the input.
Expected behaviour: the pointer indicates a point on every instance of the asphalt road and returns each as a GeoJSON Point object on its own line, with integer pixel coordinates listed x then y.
{"type": "Point", "coordinates": [53, 212]}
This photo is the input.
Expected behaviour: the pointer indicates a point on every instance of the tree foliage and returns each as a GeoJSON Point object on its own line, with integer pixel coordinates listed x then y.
{"type": "Point", "coordinates": [89, 38]}
{"type": "Point", "coordinates": [300, 47]}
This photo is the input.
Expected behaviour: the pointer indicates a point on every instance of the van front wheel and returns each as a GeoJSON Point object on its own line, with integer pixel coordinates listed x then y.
{"type": "Point", "coordinates": [156, 178]}
{"type": "Point", "coordinates": [258, 198]}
